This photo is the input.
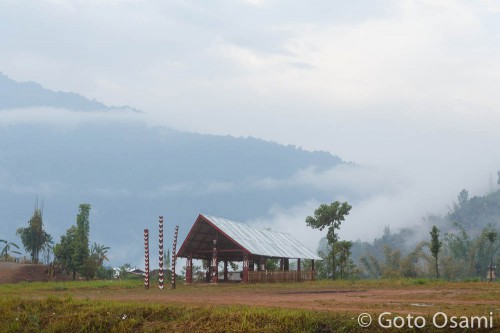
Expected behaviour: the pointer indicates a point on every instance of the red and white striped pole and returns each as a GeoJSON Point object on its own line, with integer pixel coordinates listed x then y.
{"type": "Point", "coordinates": [160, 239]}
{"type": "Point", "coordinates": [146, 258]}
{"type": "Point", "coordinates": [174, 256]}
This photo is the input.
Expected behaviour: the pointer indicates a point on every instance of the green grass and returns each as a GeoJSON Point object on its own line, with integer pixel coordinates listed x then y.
{"type": "Point", "coordinates": [55, 314]}
{"type": "Point", "coordinates": [83, 306]}
{"type": "Point", "coordinates": [26, 287]}
{"type": "Point", "coordinates": [63, 314]}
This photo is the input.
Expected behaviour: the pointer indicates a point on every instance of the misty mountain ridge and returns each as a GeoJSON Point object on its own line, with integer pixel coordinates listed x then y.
{"type": "Point", "coordinates": [464, 224]}
{"type": "Point", "coordinates": [131, 173]}
{"type": "Point", "coordinates": [15, 95]}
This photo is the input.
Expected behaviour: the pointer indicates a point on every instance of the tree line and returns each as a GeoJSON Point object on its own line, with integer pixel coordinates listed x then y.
{"type": "Point", "coordinates": [73, 254]}
{"type": "Point", "coordinates": [459, 246]}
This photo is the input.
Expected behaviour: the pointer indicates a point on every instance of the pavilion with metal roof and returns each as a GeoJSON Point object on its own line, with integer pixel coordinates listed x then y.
{"type": "Point", "coordinates": [216, 239]}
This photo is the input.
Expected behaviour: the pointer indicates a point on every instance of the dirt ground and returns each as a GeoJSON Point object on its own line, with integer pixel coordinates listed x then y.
{"type": "Point", "coordinates": [420, 300]}
{"type": "Point", "coordinates": [11, 272]}
{"type": "Point", "coordinates": [461, 298]}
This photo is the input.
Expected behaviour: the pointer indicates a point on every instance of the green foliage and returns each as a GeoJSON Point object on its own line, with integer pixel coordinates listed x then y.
{"type": "Point", "coordinates": [435, 247]}
{"type": "Point", "coordinates": [392, 262]}
{"type": "Point", "coordinates": [5, 253]}
{"type": "Point", "coordinates": [234, 266]}
{"type": "Point", "coordinates": [273, 265]}
{"type": "Point", "coordinates": [331, 217]}
{"type": "Point", "coordinates": [459, 248]}
{"type": "Point", "coordinates": [64, 252]}
{"type": "Point", "coordinates": [414, 264]}
{"type": "Point", "coordinates": [344, 262]}
{"type": "Point", "coordinates": [124, 272]}
{"type": "Point", "coordinates": [167, 258]}
{"type": "Point", "coordinates": [372, 266]}
{"type": "Point", "coordinates": [81, 243]}
{"type": "Point", "coordinates": [476, 213]}
{"type": "Point", "coordinates": [105, 273]}
{"type": "Point", "coordinates": [33, 237]}
{"type": "Point", "coordinates": [344, 265]}
{"type": "Point", "coordinates": [73, 253]}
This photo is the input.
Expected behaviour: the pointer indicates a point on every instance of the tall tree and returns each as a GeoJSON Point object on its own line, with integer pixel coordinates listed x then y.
{"type": "Point", "coordinates": [64, 252]}
{"type": "Point", "coordinates": [82, 252]}
{"type": "Point", "coordinates": [73, 251]}
{"type": "Point", "coordinates": [435, 247]}
{"type": "Point", "coordinates": [491, 235]}
{"type": "Point", "coordinates": [460, 247]}
{"type": "Point", "coordinates": [344, 261]}
{"type": "Point", "coordinates": [33, 237]}
{"type": "Point", "coordinates": [47, 250]}
{"type": "Point", "coordinates": [330, 216]}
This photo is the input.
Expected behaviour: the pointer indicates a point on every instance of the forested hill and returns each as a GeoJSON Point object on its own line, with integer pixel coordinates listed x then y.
{"type": "Point", "coordinates": [475, 213]}
{"type": "Point", "coordinates": [465, 252]}
{"type": "Point", "coordinates": [131, 173]}
{"type": "Point", "coordinates": [31, 94]}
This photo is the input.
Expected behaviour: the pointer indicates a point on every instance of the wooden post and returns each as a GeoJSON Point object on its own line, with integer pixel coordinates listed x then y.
{"type": "Point", "coordinates": [146, 258]}
{"type": "Point", "coordinates": [298, 270]}
{"type": "Point", "coordinates": [174, 256]}
{"type": "Point", "coordinates": [208, 273]}
{"type": "Point", "coordinates": [189, 269]}
{"type": "Point", "coordinates": [287, 265]}
{"type": "Point", "coordinates": [313, 273]}
{"type": "Point", "coordinates": [160, 252]}
{"type": "Point", "coordinates": [282, 268]}
{"type": "Point", "coordinates": [263, 264]}
{"type": "Point", "coordinates": [245, 268]}
{"type": "Point", "coordinates": [215, 263]}
{"type": "Point", "coordinates": [226, 279]}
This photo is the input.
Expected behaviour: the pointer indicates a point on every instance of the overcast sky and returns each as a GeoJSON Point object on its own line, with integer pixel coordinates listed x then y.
{"type": "Point", "coordinates": [407, 87]}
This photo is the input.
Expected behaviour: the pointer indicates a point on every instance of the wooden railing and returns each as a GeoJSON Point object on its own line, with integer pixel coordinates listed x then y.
{"type": "Point", "coordinates": [280, 276]}
{"type": "Point", "coordinates": [263, 276]}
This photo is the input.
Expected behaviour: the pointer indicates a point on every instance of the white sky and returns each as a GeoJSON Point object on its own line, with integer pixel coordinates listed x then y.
{"type": "Point", "coordinates": [405, 86]}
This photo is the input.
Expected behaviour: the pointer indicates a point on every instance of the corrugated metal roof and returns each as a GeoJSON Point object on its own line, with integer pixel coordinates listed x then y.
{"type": "Point", "coordinates": [261, 241]}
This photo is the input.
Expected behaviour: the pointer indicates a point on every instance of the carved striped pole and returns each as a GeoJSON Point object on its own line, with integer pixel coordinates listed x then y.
{"type": "Point", "coordinates": [146, 258]}
{"type": "Point", "coordinates": [215, 264]}
{"type": "Point", "coordinates": [245, 268]}
{"type": "Point", "coordinates": [160, 240]}
{"type": "Point", "coordinates": [174, 256]}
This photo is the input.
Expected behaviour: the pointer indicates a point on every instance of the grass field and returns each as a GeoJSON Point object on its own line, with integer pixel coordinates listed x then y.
{"type": "Point", "coordinates": [320, 306]}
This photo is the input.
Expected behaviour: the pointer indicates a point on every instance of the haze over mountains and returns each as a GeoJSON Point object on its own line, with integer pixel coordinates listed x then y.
{"type": "Point", "coordinates": [131, 172]}
{"type": "Point", "coordinates": [15, 95]}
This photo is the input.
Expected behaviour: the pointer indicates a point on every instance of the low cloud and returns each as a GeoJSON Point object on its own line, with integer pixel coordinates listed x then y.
{"type": "Point", "coordinates": [292, 221]}
{"type": "Point", "coordinates": [64, 117]}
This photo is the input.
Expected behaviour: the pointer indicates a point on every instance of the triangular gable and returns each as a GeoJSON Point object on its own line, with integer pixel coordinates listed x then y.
{"type": "Point", "coordinates": [243, 238]}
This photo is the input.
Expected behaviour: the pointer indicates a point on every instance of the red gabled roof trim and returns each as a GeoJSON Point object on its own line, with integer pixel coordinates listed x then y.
{"type": "Point", "coordinates": [202, 218]}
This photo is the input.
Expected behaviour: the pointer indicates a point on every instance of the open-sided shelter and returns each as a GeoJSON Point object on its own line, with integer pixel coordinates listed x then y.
{"type": "Point", "coordinates": [221, 240]}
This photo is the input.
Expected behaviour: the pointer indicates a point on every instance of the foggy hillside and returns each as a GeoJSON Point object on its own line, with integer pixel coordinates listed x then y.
{"type": "Point", "coordinates": [130, 173]}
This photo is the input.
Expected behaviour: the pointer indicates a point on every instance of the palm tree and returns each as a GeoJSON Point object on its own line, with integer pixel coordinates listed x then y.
{"type": "Point", "coordinates": [99, 252]}
{"type": "Point", "coordinates": [34, 237]}
{"type": "Point", "coordinates": [6, 250]}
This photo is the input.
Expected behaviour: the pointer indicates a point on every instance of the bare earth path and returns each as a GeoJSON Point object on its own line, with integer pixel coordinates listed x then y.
{"type": "Point", "coordinates": [477, 298]}
{"type": "Point", "coordinates": [416, 300]}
